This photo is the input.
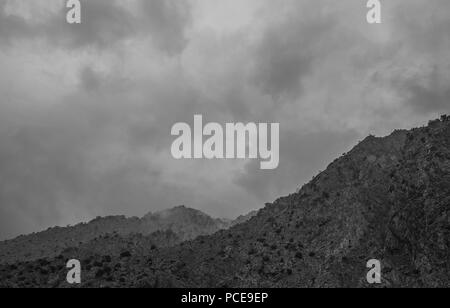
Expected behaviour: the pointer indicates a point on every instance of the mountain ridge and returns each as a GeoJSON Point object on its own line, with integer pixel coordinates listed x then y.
{"type": "Point", "coordinates": [185, 224]}
{"type": "Point", "coordinates": [387, 199]}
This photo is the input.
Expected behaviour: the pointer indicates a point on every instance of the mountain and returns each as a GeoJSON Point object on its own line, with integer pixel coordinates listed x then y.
{"type": "Point", "coordinates": [387, 199]}
{"type": "Point", "coordinates": [185, 222]}
{"type": "Point", "coordinates": [243, 218]}
{"type": "Point", "coordinates": [182, 222]}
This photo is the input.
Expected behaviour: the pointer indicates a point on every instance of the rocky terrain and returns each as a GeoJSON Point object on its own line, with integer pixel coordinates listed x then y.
{"type": "Point", "coordinates": [387, 199]}
{"type": "Point", "coordinates": [161, 229]}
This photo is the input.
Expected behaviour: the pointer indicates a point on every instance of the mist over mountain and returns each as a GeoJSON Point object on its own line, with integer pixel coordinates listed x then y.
{"type": "Point", "coordinates": [387, 199]}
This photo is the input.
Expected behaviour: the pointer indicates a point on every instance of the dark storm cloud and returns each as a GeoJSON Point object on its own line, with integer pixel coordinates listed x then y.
{"type": "Point", "coordinates": [168, 19]}
{"type": "Point", "coordinates": [425, 38]}
{"type": "Point", "coordinates": [102, 145]}
{"type": "Point", "coordinates": [95, 153]}
{"type": "Point", "coordinates": [423, 27]}
{"type": "Point", "coordinates": [318, 149]}
{"type": "Point", "coordinates": [287, 53]}
{"type": "Point", "coordinates": [429, 95]}
{"type": "Point", "coordinates": [70, 162]}
{"type": "Point", "coordinates": [40, 159]}
{"type": "Point", "coordinates": [105, 23]}
{"type": "Point", "coordinates": [90, 80]}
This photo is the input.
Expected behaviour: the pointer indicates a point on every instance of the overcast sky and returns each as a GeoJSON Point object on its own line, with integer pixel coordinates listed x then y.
{"type": "Point", "coordinates": [86, 110]}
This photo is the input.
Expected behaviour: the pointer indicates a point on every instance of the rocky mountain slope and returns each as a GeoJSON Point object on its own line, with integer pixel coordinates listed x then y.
{"type": "Point", "coordinates": [181, 222]}
{"type": "Point", "coordinates": [387, 199]}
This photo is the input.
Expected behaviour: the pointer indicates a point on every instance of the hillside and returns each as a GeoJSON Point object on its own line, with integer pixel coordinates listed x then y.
{"type": "Point", "coordinates": [388, 199]}
{"type": "Point", "coordinates": [182, 223]}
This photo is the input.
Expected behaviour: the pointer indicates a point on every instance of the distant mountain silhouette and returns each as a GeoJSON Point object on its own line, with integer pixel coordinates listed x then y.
{"type": "Point", "coordinates": [387, 199]}
{"type": "Point", "coordinates": [163, 229]}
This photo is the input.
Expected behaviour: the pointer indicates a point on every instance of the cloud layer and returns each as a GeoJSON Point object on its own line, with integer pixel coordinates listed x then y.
{"type": "Point", "coordinates": [86, 110]}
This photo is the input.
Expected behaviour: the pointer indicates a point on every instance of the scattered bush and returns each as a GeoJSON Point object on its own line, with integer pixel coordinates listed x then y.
{"type": "Point", "coordinates": [125, 254]}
